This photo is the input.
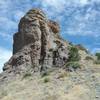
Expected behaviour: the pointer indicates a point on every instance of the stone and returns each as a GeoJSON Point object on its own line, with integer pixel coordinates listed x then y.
{"type": "Point", "coordinates": [37, 44]}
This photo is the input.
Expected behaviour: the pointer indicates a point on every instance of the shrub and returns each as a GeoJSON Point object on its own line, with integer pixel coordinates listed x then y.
{"type": "Point", "coordinates": [3, 94]}
{"type": "Point", "coordinates": [72, 66]}
{"type": "Point", "coordinates": [97, 62]}
{"type": "Point", "coordinates": [98, 56]}
{"type": "Point", "coordinates": [88, 58]}
{"type": "Point", "coordinates": [26, 75]}
{"type": "Point", "coordinates": [46, 73]}
{"type": "Point", "coordinates": [46, 80]}
{"type": "Point", "coordinates": [73, 54]}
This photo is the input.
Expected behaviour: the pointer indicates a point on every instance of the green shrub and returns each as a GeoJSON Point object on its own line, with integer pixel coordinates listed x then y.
{"type": "Point", "coordinates": [46, 80]}
{"type": "Point", "coordinates": [97, 62]}
{"type": "Point", "coordinates": [46, 73]}
{"type": "Point", "coordinates": [70, 66]}
{"type": "Point", "coordinates": [26, 75]}
{"type": "Point", "coordinates": [73, 54]}
{"type": "Point", "coordinates": [98, 56]}
{"type": "Point", "coordinates": [88, 58]}
{"type": "Point", "coordinates": [3, 94]}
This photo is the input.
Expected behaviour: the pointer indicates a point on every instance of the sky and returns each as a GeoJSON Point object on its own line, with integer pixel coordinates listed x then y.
{"type": "Point", "coordinates": [79, 21]}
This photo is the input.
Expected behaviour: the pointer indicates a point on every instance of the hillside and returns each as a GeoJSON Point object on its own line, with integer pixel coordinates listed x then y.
{"type": "Point", "coordinates": [46, 67]}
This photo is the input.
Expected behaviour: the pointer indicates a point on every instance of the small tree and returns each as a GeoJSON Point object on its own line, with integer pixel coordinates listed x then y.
{"type": "Point", "coordinates": [98, 56]}
{"type": "Point", "coordinates": [73, 54]}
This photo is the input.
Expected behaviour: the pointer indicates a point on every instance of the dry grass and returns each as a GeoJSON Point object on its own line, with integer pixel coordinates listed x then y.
{"type": "Point", "coordinates": [58, 85]}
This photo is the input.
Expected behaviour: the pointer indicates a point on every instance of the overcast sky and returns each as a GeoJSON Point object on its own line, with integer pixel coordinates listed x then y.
{"type": "Point", "coordinates": [79, 21]}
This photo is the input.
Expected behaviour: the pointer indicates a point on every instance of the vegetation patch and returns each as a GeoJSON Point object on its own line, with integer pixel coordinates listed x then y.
{"type": "Point", "coordinates": [73, 54]}
{"type": "Point", "coordinates": [97, 62]}
{"type": "Point", "coordinates": [46, 79]}
{"type": "Point", "coordinates": [45, 74]}
{"type": "Point", "coordinates": [27, 75]}
{"type": "Point", "coordinates": [98, 58]}
{"type": "Point", "coordinates": [72, 66]}
{"type": "Point", "coordinates": [3, 94]}
{"type": "Point", "coordinates": [88, 58]}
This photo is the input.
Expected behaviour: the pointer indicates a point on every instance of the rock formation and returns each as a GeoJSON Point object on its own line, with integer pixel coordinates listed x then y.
{"type": "Point", "coordinates": [37, 44]}
{"type": "Point", "coordinates": [38, 47]}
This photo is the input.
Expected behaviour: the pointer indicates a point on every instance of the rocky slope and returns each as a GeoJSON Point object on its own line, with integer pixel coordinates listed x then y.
{"type": "Point", "coordinates": [46, 67]}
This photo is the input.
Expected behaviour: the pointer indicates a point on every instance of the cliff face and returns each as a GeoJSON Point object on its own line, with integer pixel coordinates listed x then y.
{"type": "Point", "coordinates": [37, 44]}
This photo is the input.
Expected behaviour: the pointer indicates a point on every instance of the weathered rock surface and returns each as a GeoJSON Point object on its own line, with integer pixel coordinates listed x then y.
{"type": "Point", "coordinates": [37, 44]}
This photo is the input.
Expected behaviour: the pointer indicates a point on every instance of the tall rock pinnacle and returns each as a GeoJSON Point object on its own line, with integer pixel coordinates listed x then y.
{"type": "Point", "coordinates": [37, 44]}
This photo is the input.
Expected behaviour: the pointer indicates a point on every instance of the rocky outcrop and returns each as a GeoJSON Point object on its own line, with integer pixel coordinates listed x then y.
{"type": "Point", "coordinates": [37, 44]}
{"type": "Point", "coordinates": [37, 47]}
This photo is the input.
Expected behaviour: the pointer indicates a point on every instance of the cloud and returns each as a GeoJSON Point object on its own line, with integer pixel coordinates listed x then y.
{"type": "Point", "coordinates": [5, 36]}
{"type": "Point", "coordinates": [5, 54]}
{"type": "Point", "coordinates": [6, 23]}
{"type": "Point", "coordinates": [55, 4]}
{"type": "Point", "coordinates": [84, 2]}
{"type": "Point", "coordinates": [18, 14]}
{"type": "Point", "coordinates": [98, 1]}
{"type": "Point", "coordinates": [95, 50]}
{"type": "Point", "coordinates": [10, 14]}
{"type": "Point", "coordinates": [77, 16]}
{"type": "Point", "coordinates": [83, 22]}
{"type": "Point", "coordinates": [60, 4]}
{"type": "Point", "coordinates": [12, 11]}
{"type": "Point", "coordinates": [6, 27]}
